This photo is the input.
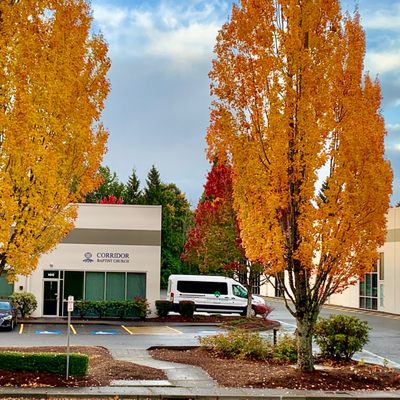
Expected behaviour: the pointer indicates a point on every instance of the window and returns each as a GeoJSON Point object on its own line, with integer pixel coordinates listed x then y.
{"type": "Point", "coordinates": [369, 290]}
{"type": "Point", "coordinates": [136, 285]}
{"type": "Point", "coordinates": [256, 284]}
{"type": "Point", "coordinates": [6, 289]}
{"type": "Point", "coordinates": [94, 286]}
{"type": "Point", "coordinates": [202, 287]}
{"type": "Point", "coordinates": [239, 291]}
{"type": "Point", "coordinates": [73, 284]}
{"type": "Point", "coordinates": [5, 306]}
{"type": "Point", "coordinates": [115, 286]}
{"type": "Point", "coordinates": [279, 284]}
{"type": "Point", "coordinates": [381, 266]}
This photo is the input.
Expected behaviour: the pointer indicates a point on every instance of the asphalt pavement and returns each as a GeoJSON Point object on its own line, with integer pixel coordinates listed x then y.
{"type": "Point", "coordinates": [127, 342]}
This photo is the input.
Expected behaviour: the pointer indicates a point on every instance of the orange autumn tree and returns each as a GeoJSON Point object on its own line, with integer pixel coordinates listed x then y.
{"type": "Point", "coordinates": [52, 90]}
{"type": "Point", "coordinates": [292, 107]}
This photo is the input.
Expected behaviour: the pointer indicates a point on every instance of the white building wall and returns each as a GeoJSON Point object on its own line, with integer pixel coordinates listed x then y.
{"type": "Point", "coordinates": [106, 223]}
{"type": "Point", "coordinates": [388, 293]}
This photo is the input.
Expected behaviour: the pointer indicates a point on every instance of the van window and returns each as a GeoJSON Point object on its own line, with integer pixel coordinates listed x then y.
{"type": "Point", "coordinates": [239, 291]}
{"type": "Point", "coordinates": [202, 287]}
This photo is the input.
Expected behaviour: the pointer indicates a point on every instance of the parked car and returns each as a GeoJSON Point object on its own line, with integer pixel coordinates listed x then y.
{"type": "Point", "coordinates": [8, 315]}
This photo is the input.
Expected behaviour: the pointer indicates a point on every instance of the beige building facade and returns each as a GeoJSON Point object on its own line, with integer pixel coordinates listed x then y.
{"type": "Point", "coordinates": [113, 253]}
{"type": "Point", "coordinates": [378, 290]}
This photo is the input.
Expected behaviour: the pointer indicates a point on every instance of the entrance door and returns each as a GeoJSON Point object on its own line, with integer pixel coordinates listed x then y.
{"type": "Point", "coordinates": [50, 298]}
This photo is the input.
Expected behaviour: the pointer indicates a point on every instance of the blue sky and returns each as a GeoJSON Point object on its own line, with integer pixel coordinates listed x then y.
{"type": "Point", "coordinates": [158, 109]}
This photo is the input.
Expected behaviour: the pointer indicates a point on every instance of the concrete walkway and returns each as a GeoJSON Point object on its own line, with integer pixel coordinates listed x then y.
{"type": "Point", "coordinates": [179, 375]}
{"type": "Point", "coordinates": [184, 382]}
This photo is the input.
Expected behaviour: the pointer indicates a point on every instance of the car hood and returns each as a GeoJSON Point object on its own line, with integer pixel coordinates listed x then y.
{"type": "Point", "coordinates": [4, 314]}
{"type": "Point", "coordinates": [258, 300]}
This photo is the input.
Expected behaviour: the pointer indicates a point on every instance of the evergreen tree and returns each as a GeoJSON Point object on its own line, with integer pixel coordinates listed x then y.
{"type": "Point", "coordinates": [152, 192]}
{"type": "Point", "coordinates": [110, 186]}
{"type": "Point", "coordinates": [176, 219]}
{"type": "Point", "coordinates": [132, 193]}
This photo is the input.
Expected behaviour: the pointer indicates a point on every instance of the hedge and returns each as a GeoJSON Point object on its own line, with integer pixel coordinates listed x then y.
{"type": "Point", "coordinates": [163, 307]}
{"type": "Point", "coordinates": [55, 363]}
{"type": "Point", "coordinates": [138, 308]}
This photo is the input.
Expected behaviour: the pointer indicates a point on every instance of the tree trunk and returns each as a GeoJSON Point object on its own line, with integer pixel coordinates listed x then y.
{"type": "Point", "coordinates": [249, 299]}
{"type": "Point", "coordinates": [304, 336]}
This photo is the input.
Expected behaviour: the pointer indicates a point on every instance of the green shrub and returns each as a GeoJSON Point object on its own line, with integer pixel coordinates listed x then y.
{"type": "Point", "coordinates": [239, 344]}
{"type": "Point", "coordinates": [55, 363]}
{"type": "Point", "coordinates": [163, 307]}
{"type": "Point", "coordinates": [25, 302]}
{"type": "Point", "coordinates": [285, 349]}
{"type": "Point", "coordinates": [138, 307]}
{"type": "Point", "coordinates": [186, 308]}
{"type": "Point", "coordinates": [141, 307]}
{"type": "Point", "coordinates": [340, 336]}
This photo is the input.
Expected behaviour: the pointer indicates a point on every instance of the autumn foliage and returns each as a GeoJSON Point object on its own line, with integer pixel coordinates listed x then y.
{"type": "Point", "coordinates": [292, 109]}
{"type": "Point", "coordinates": [111, 199]}
{"type": "Point", "coordinates": [214, 244]}
{"type": "Point", "coordinates": [52, 90]}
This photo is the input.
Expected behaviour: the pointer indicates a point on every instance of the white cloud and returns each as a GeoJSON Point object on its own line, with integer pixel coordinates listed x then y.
{"type": "Point", "coordinates": [180, 33]}
{"type": "Point", "coordinates": [393, 127]}
{"type": "Point", "coordinates": [383, 19]}
{"type": "Point", "coordinates": [381, 62]}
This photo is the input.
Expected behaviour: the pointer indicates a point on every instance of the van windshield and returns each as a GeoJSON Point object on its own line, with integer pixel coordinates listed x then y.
{"type": "Point", "coordinates": [239, 291]}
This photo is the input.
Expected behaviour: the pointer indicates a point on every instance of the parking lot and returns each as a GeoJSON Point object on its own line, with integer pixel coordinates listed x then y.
{"type": "Point", "coordinates": [98, 330]}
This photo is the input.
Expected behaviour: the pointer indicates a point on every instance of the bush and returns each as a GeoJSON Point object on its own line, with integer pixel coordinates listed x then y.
{"type": "Point", "coordinates": [239, 344]}
{"type": "Point", "coordinates": [186, 308]}
{"type": "Point", "coordinates": [138, 307]}
{"type": "Point", "coordinates": [285, 349]}
{"type": "Point", "coordinates": [55, 363]}
{"type": "Point", "coordinates": [340, 336]}
{"type": "Point", "coordinates": [163, 307]}
{"type": "Point", "coordinates": [25, 302]}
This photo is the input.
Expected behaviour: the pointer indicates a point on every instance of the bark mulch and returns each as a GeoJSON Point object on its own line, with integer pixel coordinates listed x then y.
{"type": "Point", "coordinates": [102, 370]}
{"type": "Point", "coordinates": [328, 376]}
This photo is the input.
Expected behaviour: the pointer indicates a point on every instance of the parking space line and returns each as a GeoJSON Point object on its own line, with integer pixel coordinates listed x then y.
{"type": "Point", "coordinates": [124, 327]}
{"type": "Point", "coordinates": [153, 330]}
{"type": "Point", "coordinates": [176, 330]}
{"type": "Point", "coordinates": [72, 329]}
{"type": "Point", "coordinates": [21, 329]}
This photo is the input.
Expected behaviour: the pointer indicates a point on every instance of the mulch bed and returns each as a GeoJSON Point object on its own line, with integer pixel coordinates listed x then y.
{"type": "Point", "coordinates": [330, 376]}
{"type": "Point", "coordinates": [102, 370]}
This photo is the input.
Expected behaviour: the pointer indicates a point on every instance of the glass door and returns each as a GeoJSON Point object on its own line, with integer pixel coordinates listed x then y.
{"type": "Point", "coordinates": [50, 298]}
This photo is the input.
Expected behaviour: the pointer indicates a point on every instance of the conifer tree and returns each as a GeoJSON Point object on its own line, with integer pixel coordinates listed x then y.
{"type": "Point", "coordinates": [153, 192]}
{"type": "Point", "coordinates": [132, 193]}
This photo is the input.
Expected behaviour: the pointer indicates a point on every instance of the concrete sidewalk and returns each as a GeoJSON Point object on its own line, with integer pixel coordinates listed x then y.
{"type": "Point", "coordinates": [184, 382]}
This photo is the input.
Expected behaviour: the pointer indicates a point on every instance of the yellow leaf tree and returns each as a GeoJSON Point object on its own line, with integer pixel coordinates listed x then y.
{"type": "Point", "coordinates": [293, 109]}
{"type": "Point", "coordinates": [52, 90]}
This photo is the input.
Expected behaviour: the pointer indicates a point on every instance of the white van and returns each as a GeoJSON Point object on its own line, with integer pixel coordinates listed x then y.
{"type": "Point", "coordinates": [214, 294]}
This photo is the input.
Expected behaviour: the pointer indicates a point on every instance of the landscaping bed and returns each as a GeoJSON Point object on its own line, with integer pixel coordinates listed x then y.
{"type": "Point", "coordinates": [102, 370]}
{"type": "Point", "coordinates": [330, 376]}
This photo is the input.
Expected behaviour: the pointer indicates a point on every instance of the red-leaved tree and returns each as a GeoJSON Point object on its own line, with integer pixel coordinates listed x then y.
{"type": "Point", "coordinates": [111, 199]}
{"type": "Point", "coordinates": [214, 242]}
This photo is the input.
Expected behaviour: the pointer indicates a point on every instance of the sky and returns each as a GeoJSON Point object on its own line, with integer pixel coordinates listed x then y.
{"type": "Point", "coordinates": [157, 111]}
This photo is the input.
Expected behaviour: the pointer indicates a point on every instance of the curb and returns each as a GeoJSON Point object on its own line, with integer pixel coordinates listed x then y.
{"type": "Point", "coordinates": [184, 393]}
